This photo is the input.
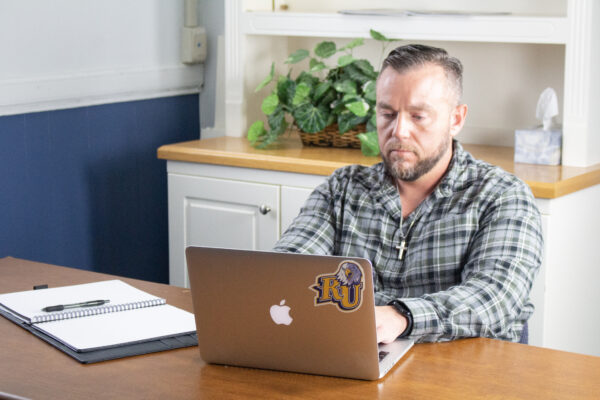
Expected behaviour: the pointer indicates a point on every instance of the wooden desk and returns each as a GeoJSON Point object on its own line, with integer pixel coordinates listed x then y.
{"type": "Point", "coordinates": [463, 369]}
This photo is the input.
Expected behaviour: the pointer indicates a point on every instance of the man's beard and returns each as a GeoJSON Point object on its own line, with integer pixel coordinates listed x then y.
{"type": "Point", "coordinates": [422, 167]}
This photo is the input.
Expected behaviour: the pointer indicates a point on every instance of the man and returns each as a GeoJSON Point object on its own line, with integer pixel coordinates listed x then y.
{"type": "Point", "coordinates": [455, 243]}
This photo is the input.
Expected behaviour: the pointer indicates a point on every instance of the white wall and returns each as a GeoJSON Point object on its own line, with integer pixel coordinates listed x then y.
{"type": "Point", "coordinates": [69, 53]}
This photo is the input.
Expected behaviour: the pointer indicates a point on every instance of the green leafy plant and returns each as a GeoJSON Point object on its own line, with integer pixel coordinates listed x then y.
{"type": "Point", "coordinates": [341, 92]}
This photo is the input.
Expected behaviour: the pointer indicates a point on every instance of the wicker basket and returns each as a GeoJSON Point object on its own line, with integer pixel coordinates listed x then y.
{"type": "Point", "coordinates": [330, 136]}
{"type": "Point", "coordinates": [349, 138]}
{"type": "Point", "coordinates": [321, 138]}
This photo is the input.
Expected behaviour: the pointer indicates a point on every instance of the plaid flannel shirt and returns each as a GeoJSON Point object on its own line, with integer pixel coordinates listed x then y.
{"type": "Point", "coordinates": [474, 245]}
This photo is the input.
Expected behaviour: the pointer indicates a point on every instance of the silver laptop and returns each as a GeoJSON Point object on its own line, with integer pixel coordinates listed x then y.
{"type": "Point", "coordinates": [288, 312]}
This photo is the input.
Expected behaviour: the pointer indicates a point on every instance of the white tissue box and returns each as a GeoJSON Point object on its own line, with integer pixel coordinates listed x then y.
{"type": "Point", "coordinates": [537, 146]}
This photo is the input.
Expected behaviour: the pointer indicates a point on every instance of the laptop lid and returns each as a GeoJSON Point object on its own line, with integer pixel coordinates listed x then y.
{"type": "Point", "coordinates": [289, 312]}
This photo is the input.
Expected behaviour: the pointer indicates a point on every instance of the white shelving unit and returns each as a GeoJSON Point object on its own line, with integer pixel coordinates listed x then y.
{"type": "Point", "coordinates": [576, 32]}
{"type": "Point", "coordinates": [205, 199]}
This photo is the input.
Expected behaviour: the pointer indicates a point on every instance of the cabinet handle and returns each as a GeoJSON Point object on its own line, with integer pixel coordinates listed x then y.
{"type": "Point", "coordinates": [264, 209]}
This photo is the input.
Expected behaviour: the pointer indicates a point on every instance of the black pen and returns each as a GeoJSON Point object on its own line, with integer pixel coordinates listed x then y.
{"type": "Point", "coordinates": [61, 307]}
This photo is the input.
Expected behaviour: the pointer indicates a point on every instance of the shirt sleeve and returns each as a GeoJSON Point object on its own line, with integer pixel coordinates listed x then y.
{"type": "Point", "coordinates": [498, 274]}
{"type": "Point", "coordinates": [313, 230]}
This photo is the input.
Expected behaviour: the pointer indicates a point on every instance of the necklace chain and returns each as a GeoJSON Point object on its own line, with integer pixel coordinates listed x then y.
{"type": "Point", "coordinates": [403, 247]}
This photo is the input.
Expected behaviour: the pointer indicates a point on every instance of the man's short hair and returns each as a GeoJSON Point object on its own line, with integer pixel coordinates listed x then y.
{"type": "Point", "coordinates": [406, 57]}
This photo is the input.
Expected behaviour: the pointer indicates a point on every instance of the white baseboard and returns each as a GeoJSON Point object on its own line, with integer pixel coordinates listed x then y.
{"type": "Point", "coordinates": [18, 96]}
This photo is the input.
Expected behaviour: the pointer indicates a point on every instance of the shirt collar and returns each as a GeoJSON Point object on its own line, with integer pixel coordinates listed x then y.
{"type": "Point", "coordinates": [446, 185]}
{"type": "Point", "coordinates": [384, 191]}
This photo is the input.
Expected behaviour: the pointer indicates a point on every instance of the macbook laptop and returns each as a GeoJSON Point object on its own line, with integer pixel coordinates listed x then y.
{"type": "Point", "coordinates": [288, 312]}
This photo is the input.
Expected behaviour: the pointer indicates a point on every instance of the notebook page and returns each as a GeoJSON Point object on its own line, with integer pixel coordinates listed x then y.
{"type": "Point", "coordinates": [29, 304]}
{"type": "Point", "coordinates": [106, 330]}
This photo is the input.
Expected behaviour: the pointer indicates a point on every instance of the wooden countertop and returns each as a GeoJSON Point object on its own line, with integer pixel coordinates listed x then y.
{"type": "Point", "coordinates": [291, 156]}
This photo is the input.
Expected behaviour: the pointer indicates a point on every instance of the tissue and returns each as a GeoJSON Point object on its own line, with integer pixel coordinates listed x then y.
{"type": "Point", "coordinates": [542, 144]}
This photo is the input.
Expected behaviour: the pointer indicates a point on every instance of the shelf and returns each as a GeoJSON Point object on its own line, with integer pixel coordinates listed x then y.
{"type": "Point", "coordinates": [506, 29]}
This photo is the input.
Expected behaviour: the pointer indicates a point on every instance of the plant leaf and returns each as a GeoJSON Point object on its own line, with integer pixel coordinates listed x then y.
{"type": "Point", "coordinates": [349, 98]}
{"type": "Point", "coordinates": [345, 60]}
{"type": "Point", "coordinates": [270, 103]}
{"type": "Point", "coordinates": [267, 80]}
{"type": "Point", "coordinates": [366, 68]}
{"type": "Point", "coordinates": [372, 122]}
{"type": "Point", "coordinates": [370, 91]}
{"type": "Point", "coordinates": [321, 89]}
{"type": "Point", "coordinates": [369, 143]}
{"type": "Point", "coordinates": [277, 121]}
{"type": "Point", "coordinates": [358, 108]}
{"type": "Point", "coordinates": [379, 36]}
{"type": "Point", "coordinates": [285, 90]}
{"type": "Point", "coordinates": [331, 119]}
{"type": "Point", "coordinates": [325, 49]}
{"type": "Point", "coordinates": [334, 74]}
{"type": "Point", "coordinates": [346, 86]}
{"type": "Point", "coordinates": [307, 78]}
{"type": "Point", "coordinates": [328, 99]}
{"type": "Point", "coordinates": [296, 56]}
{"type": "Point", "coordinates": [347, 120]}
{"type": "Point", "coordinates": [353, 44]}
{"type": "Point", "coordinates": [311, 119]}
{"type": "Point", "coordinates": [316, 65]}
{"type": "Point", "coordinates": [256, 130]}
{"type": "Point", "coordinates": [353, 73]}
{"type": "Point", "coordinates": [338, 106]}
{"type": "Point", "coordinates": [301, 94]}
{"type": "Point", "coordinates": [269, 138]}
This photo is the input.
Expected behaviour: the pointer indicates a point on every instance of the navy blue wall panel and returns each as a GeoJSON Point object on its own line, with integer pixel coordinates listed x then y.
{"type": "Point", "coordinates": [83, 187]}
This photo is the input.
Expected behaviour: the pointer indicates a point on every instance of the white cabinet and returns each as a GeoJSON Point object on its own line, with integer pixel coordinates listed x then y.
{"type": "Point", "coordinates": [219, 206]}
{"type": "Point", "coordinates": [566, 292]}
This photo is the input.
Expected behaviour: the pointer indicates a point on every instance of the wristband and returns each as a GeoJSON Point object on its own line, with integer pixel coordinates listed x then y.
{"type": "Point", "coordinates": [401, 308]}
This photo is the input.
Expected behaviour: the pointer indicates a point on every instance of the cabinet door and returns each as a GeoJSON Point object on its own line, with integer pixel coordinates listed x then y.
{"type": "Point", "coordinates": [218, 213]}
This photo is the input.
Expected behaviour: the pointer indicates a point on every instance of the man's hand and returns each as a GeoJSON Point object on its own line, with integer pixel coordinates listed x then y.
{"type": "Point", "coordinates": [390, 324]}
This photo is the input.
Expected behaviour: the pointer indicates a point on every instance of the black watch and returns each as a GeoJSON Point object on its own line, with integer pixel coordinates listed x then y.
{"type": "Point", "coordinates": [401, 308]}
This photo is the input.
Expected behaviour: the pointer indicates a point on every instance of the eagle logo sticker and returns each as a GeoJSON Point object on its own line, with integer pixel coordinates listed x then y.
{"type": "Point", "coordinates": [343, 288]}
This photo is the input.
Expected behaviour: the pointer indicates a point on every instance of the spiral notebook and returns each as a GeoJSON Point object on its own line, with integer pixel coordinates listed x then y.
{"type": "Point", "coordinates": [131, 317]}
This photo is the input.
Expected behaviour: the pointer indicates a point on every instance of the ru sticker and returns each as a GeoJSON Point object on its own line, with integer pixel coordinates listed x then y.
{"type": "Point", "coordinates": [343, 288]}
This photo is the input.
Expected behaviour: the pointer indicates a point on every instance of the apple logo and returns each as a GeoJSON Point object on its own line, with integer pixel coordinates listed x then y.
{"type": "Point", "coordinates": [281, 313]}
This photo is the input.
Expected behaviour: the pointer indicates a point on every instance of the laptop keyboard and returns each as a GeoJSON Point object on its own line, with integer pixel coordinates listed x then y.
{"type": "Point", "coordinates": [382, 355]}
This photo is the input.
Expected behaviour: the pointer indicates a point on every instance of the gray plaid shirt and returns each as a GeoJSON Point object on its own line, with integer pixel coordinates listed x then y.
{"type": "Point", "coordinates": [474, 245]}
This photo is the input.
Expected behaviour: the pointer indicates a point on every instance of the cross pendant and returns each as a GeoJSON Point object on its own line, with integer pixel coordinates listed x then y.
{"type": "Point", "coordinates": [401, 249]}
